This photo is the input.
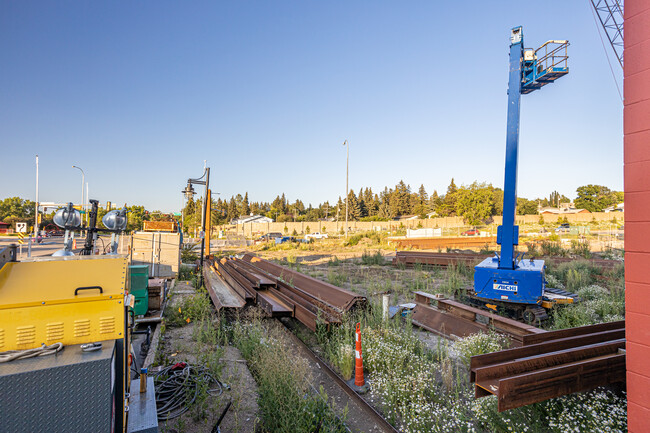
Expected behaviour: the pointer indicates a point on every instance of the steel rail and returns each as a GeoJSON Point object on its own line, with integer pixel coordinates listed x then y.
{"type": "Point", "coordinates": [410, 258]}
{"type": "Point", "coordinates": [363, 404]}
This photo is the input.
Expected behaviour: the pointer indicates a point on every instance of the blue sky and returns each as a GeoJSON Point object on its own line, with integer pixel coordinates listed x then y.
{"type": "Point", "coordinates": [138, 94]}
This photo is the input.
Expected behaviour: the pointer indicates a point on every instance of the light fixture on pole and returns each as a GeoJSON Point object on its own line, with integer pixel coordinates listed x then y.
{"type": "Point", "coordinates": [189, 192]}
{"type": "Point", "coordinates": [83, 182]}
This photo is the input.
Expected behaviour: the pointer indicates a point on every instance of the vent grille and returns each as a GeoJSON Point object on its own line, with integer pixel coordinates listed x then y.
{"type": "Point", "coordinates": [25, 335]}
{"type": "Point", "coordinates": [107, 325]}
{"type": "Point", "coordinates": [54, 332]}
{"type": "Point", "coordinates": [82, 328]}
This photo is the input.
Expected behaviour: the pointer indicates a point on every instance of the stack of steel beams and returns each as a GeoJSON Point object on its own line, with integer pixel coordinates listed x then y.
{"type": "Point", "coordinates": [283, 292]}
{"type": "Point", "coordinates": [552, 364]}
{"type": "Point", "coordinates": [411, 258]}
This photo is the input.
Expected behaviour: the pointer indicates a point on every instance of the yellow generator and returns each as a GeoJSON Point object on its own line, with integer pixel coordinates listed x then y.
{"type": "Point", "coordinates": [79, 302]}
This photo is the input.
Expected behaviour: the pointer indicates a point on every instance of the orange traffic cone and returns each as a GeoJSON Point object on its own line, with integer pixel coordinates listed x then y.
{"type": "Point", "coordinates": [358, 370]}
{"type": "Point", "coordinates": [74, 243]}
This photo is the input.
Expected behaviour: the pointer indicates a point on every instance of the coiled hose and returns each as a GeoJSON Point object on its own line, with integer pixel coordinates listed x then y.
{"type": "Point", "coordinates": [44, 350]}
{"type": "Point", "coordinates": [178, 386]}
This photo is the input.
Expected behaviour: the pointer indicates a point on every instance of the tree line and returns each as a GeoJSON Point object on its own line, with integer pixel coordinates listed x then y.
{"type": "Point", "coordinates": [476, 203]}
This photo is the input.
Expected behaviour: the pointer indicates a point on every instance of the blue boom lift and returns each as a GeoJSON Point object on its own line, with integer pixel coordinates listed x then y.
{"type": "Point", "coordinates": [507, 281]}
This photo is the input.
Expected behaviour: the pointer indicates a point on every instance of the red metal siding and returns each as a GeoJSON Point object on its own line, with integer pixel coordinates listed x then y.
{"type": "Point", "coordinates": [637, 210]}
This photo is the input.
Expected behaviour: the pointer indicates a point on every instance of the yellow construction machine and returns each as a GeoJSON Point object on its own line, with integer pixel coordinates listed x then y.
{"type": "Point", "coordinates": [65, 352]}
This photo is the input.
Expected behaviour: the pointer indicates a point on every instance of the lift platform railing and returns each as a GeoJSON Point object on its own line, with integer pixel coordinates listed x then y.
{"type": "Point", "coordinates": [544, 65]}
{"type": "Point", "coordinates": [552, 55]}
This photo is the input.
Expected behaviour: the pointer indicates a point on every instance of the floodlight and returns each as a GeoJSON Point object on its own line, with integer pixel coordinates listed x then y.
{"type": "Point", "coordinates": [115, 220]}
{"type": "Point", "coordinates": [67, 217]}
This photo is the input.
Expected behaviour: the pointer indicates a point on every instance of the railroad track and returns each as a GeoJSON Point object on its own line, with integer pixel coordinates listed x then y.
{"type": "Point", "coordinates": [370, 412]}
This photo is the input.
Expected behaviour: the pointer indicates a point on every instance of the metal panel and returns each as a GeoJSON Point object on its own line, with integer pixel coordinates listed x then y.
{"type": "Point", "coordinates": [143, 417]}
{"type": "Point", "coordinates": [69, 300]}
{"type": "Point", "coordinates": [70, 392]}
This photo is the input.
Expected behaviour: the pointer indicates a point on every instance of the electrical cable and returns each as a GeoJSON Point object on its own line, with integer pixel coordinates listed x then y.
{"type": "Point", "coordinates": [44, 350]}
{"type": "Point", "coordinates": [177, 387]}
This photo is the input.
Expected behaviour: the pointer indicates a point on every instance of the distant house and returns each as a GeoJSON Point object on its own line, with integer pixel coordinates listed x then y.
{"type": "Point", "coordinates": [251, 219]}
{"type": "Point", "coordinates": [564, 209]}
{"type": "Point", "coordinates": [615, 208]}
{"type": "Point", "coordinates": [4, 227]}
{"type": "Point", "coordinates": [406, 217]}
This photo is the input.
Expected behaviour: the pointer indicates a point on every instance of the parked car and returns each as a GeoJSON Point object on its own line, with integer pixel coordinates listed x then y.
{"type": "Point", "coordinates": [268, 237]}
{"type": "Point", "coordinates": [472, 232]}
{"type": "Point", "coordinates": [563, 228]}
{"type": "Point", "coordinates": [316, 235]}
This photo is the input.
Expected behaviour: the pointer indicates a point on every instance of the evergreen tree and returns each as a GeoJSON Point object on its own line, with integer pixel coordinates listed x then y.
{"type": "Point", "coordinates": [232, 209]}
{"type": "Point", "coordinates": [245, 208]}
{"type": "Point", "coordinates": [354, 210]}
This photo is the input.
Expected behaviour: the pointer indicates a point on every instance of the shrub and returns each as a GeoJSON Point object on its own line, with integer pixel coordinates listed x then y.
{"type": "Point", "coordinates": [550, 248]}
{"type": "Point", "coordinates": [370, 259]}
{"type": "Point", "coordinates": [337, 278]}
{"type": "Point", "coordinates": [580, 248]}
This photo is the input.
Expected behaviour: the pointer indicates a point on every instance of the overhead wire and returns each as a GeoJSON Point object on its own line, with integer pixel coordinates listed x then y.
{"type": "Point", "coordinates": [620, 95]}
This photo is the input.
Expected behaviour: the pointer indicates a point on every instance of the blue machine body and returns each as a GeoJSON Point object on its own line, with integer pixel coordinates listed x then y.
{"type": "Point", "coordinates": [505, 277]}
{"type": "Point", "coordinates": [523, 285]}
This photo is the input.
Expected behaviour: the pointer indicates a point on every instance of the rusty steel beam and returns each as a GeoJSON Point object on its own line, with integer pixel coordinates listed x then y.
{"type": "Point", "coordinates": [234, 284]}
{"type": "Point", "coordinates": [500, 323]}
{"type": "Point", "coordinates": [453, 318]}
{"type": "Point", "coordinates": [251, 274]}
{"type": "Point", "coordinates": [507, 355]}
{"type": "Point", "coordinates": [580, 376]}
{"type": "Point", "coordinates": [444, 324]}
{"type": "Point", "coordinates": [410, 258]}
{"type": "Point", "coordinates": [546, 360]}
{"type": "Point", "coordinates": [212, 282]}
{"type": "Point", "coordinates": [434, 243]}
{"type": "Point", "coordinates": [340, 299]}
{"type": "Point", "coordinates": [565, 361]}
{"type": "Point", "coordinates": [573, 332]}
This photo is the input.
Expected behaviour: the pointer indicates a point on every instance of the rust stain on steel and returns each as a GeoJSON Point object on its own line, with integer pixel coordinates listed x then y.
{"type": "Point", "coordinates": [433, 243]}
{"type": "Point", "coordinates": [341, 299]}
{"type": "Point", "coordinates": [451, 318]}
{"type": "Point", "coordinates": [410, 258]}
{"type": "Point", "coordinates": [567, 361]}
{"type": "Point", "coordinates": [283, 292]}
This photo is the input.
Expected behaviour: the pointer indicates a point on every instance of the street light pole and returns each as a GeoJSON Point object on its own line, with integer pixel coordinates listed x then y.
{"type": "Point", "coordinates": [83, 182]}
{"type": "Point", "coordinates": [347, 192]}
{"type": "Point", "coordinates": [36, 216]}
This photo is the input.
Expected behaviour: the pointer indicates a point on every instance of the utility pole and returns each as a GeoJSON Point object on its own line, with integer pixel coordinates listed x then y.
{"type": "Point", "coordinates": [36, 215]}
{"type": "Point", "coordinates": [83, 181]}
{"type": "Point", "coordinates": [347, 192]}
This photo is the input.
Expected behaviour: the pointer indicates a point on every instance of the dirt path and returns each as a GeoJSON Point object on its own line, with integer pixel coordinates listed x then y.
{"type": "Point", "coordinates": [178, 344]}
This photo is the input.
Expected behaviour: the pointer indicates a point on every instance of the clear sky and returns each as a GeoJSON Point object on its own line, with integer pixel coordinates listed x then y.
{"type": "Point", "coordinates": [139, 93]}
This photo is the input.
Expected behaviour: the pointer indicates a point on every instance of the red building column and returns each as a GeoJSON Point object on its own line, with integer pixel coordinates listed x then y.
{"type": "Point", "coordinates": [636, 120]}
